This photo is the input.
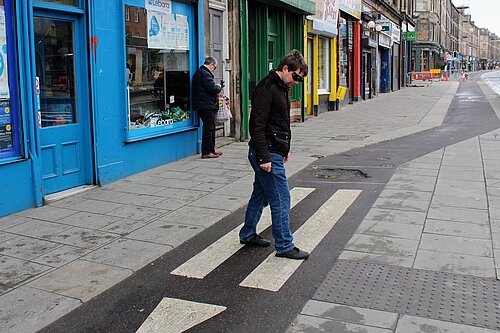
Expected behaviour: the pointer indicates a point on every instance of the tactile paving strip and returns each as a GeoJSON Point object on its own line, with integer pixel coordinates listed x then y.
{"type": "Point", "coordinates": [450, 297]}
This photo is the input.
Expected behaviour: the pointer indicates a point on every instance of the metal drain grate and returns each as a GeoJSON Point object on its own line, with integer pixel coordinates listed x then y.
{"type": "Point", "coordinates": [450, 297]}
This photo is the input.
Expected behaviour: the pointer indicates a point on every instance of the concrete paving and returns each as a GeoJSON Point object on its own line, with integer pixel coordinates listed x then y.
{"type": "Point", "coordinates": [440, 212]}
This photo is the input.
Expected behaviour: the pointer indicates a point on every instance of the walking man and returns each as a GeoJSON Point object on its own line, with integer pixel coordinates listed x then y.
{"type": "Point", "coordinates": [206, 102]}
{"type": "Point", "coordinates": [269, 151]}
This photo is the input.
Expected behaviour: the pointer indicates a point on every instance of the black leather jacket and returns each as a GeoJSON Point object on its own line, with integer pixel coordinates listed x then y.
{"type": "Point", "coordinates": [205, 90]}
{"type": "Point", "coordinates": [270, 118]}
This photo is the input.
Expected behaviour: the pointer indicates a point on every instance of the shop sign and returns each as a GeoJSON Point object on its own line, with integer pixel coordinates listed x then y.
{"type": "Point", "coordinates": [384, 41]}
{"type": "Point", "coordinates": [396, 33]}
{"type": "Point", "coordinates": [326, 18]}
{"type": "Point", "coordinates": [386, 26]}
{"type": "Point", "coordinates": [351, 7]}
{"type": "Point", "coordinates": [162, 6]}
{"type": "Point", "coordinates": [410, 36]}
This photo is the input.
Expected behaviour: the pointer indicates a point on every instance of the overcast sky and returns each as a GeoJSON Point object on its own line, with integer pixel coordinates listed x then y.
{"type": "Point", "coordinates": [484, 13]}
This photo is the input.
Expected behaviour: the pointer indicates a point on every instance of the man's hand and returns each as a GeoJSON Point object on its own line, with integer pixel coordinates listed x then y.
{"type": "Point", "coordinates": [286, 158]}
{"type": "Point", "coordinates": [267, 166]}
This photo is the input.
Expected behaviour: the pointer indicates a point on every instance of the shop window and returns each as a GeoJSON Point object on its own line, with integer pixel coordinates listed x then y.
{"type": "Point", "coordinates": [157, 72]}
{"type": "Point", "coordinates": [10, 120]}
{"type": "Point", "coordinates": [324, 65]}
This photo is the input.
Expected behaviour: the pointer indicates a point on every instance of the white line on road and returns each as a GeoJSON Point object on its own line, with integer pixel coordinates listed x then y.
{"type": "Point", "coordinates": [273, 272]}
{"type": "Point", "coordinates": [214, 255]}
{"type": "Point", "coordinates": [173, 315]}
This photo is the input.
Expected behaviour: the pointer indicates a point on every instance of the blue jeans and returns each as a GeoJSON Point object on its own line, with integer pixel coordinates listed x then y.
{"type": "Point", "coordinates": [269, 188]}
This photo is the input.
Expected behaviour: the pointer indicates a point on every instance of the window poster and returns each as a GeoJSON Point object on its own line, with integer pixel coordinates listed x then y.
{"type": "Point", "coordinates": [167, 31]}
{"type": "Point", "coordinates": [4, 79]}
{"type": "Point", "coordinates": [6, 134]}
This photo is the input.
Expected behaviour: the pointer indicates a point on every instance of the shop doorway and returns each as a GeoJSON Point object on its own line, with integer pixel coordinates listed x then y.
{"type": "Point", "coordinates": [63, 108]}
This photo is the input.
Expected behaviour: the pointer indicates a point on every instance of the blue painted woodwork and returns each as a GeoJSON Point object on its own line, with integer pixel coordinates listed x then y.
{"type": "Point", "coordinates": [385, 70]}
{"type": "Point", "coordinates": [115, 153]}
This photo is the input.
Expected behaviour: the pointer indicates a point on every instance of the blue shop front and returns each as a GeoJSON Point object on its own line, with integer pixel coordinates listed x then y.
{"type": "Point", "coordinates": [93, 91]}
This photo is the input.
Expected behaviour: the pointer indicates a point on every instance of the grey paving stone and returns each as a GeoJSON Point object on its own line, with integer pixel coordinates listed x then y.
{"type": "Point", "coordinates": [102, 193]}
{"type": "Point", "coordinates": [476, 176]}
{"type": "Point", "coordinates": [495, 225]}
{"type": "Point", "coordinates": [493, 190]}
{"type": "Point", "coordinates": [237, 189]}
{"type": "Point", "coordinates": [454, 244]}
{"type": "Point", "coordinates": [404, 195]}
{"type": "Point", "coordinates": [408, 204]}
{"type": "Point", "coordinates": [220, 201]}
{"type": "Point", "coordinates": [178, 183]}
{"type": "Point", "coordinates": [417, 171]}
{"type": "Point", "coordinates": [350, 314]}
{"type": "Point", "coordinates": [12, 220]}
{"type": "Point", "coordinates": [16, 271]}
{"type": "Point", "coordinates": [181, 194]}
{"type": "Point", "coordinates": [457, 229]}
{"type": "Point", "coordinates": [138, 213]}
{"type": "Point", "coordinates": [418, 165]}
{"type": "Point", "coordinates": [197, 216]}
{"type": "Point", "coordinates": [475, 216]}
{"type": "Point", "coordinates": [494, 213]}
{"type": "Point", "coordinates": [390, 229]}
{"type": "Point", "coordinates": [377, 258]}
{"type": "Point", "coordinates": [127, 253]}
{"type": "Point", "coordinates": [130, 187]}
{"type": "Point", "coordinates": [494, 201]}
{"type": "Point", "coordinates": [208, 187]}
{"type": "Point", "coordinates": [410, 186]}
{"type": "Point", "coordinates": [29, 310]}
{"type": "Point", "coordinates": [454, 201]}
{"type": "Point", "coordinates": [218, 179]}
{"type": "Point", "coordinates": [88, 205]}
{"type": "Point", "coordinates": [48, 213]}
{"type": "Point", "coordinates": [145, 200]}
{"type": "Point", "coordinates": [89, 220]}
{"type": "Point", "coordinates": [169, 174]}
{"type": "Point", "coordinates": [85, 238]}
{"type": "Point", "coordinates": [81, 279]}
{"type": "Point", "coordinates": [170, 204]}
{"type": "Point", "coordinates": [310, 324]}
{"type": "Point", "coordinates": [382, 245]}
{"type": "Point", "coordinates": [461, 189]}
{"type": "Point", "coordinates": [397, 216]}
{"type": "Point", "coordinates": [3, 290]}
{"type": "Point", "coordinates": [61, 256]}
{"type": "Point", "coordinates": [207, 170]}
{"type": "Point", "coordinates": [495, 237]}
{"type": "Point", "coordinates": [165, 233]}
{"type": "Point", "coordinates": [455, 263]}
{"type": "Point", "coordinates": [4, 236]}
{"type": "Point", "coordinates": [411, 324]}
{"type": "Point", "coordinates": [27, 248]}
{"type": "Point", "coordinates": [38, 229]}
{"type": "Point", "coordinates": [124, 226]}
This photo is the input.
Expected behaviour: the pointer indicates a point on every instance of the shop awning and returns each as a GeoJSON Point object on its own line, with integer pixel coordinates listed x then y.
{"type": "Point", "coordinates": [305, 7]}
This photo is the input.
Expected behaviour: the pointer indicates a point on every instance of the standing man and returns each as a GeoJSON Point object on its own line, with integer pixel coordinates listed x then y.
{"type": "Point", "coordinates": [206, 102]}
{"type": "Point", "coordinates": [269, 151]}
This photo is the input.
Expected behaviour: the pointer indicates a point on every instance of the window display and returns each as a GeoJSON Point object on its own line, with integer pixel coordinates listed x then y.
{"type": "Point", "coordinates": [157, 68]}
{"type": "Point", "coordinates": [324, 64]}
{"type": "Point", "coordinates": [10, 129]}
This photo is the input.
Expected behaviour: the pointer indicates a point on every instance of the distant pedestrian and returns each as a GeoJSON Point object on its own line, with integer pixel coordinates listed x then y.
{"type": "Point", "coordinates": [269, 151]}
{"type": "Point", "coordinates": [206, 103]}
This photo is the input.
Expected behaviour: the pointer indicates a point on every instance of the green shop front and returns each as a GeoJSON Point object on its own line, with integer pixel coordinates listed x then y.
{"type": "Point", "coordinates": [270, 29]}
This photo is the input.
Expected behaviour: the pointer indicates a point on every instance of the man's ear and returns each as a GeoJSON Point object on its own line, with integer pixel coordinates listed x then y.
{"type": "Point", "coordinates": [285, 67]}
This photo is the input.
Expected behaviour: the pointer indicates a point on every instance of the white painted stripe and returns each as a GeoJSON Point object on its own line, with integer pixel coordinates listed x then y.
{"type": "Point", "coordinates": [273, 272]}
{"type": "Point", "coordinates": [176, 315]}
{"type": "Point", "coordinates": [214, 255]}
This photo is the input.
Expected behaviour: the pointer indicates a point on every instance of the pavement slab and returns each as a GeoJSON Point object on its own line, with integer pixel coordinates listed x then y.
{"type": "Point", "coordinates": [14, 272]}
{"type": "Point", "coordinates": [412, 324]}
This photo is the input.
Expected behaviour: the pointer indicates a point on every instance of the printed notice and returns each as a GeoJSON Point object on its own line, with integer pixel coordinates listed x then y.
{"type": "Point", "coordinates": [155, 40]}
{"type": "Point", "coordinates": [4, 78]}
{"type": "Point", "coordinates": [5, 126]}
{"type": "Point", "coordinates": [168, 31]}
{"type": "Point", "coordinates": [182, 32]}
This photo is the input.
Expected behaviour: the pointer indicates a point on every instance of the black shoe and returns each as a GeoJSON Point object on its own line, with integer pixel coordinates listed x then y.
{"type": "Point", "coordinates": [256, 241]}
{"type": "Point", "coordinates": [294, 253]}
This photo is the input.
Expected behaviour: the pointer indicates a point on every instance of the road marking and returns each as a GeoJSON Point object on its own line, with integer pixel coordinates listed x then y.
{"type": "Point", "coordinates": [273, 272]}
{"type": "Point", "coordinates": [173, 315]}
{"type": "Point", "coordinates": [214, 255]}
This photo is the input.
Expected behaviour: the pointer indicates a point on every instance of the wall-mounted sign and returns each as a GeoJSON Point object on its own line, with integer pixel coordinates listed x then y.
{"type": "Point", "coordinates": [162, 6]}
{"type": "Point", "coordinates": [384, 41]}
{"type": "Point", "coordinates": [396, 33]}
{"type": "Point", "coordinates": [410, 36]}
{"type": "Point", "coordinates": [351, 7]}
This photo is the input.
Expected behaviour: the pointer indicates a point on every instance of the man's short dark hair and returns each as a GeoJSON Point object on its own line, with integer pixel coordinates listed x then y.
{"type": "Point", "coordinates": [210, 61]}
{"type": "Point", "coordinates": [293, 60]}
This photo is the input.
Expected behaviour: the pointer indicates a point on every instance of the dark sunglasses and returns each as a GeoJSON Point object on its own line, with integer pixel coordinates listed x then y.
{"type": "Point", "coordinates": [297, 77]}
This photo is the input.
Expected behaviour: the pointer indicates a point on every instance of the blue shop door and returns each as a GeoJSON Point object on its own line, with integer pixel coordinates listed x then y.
{"type": "Point", "coordinates": [385, 71]}
{"type": "Point", "coordinates": [62, 102]}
